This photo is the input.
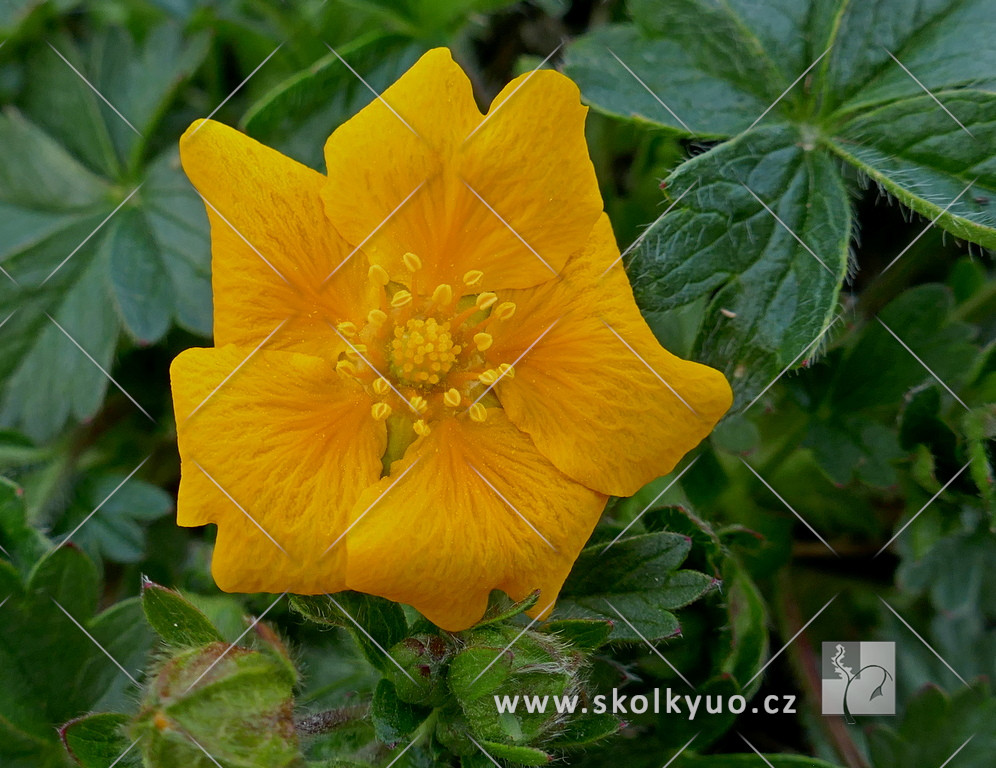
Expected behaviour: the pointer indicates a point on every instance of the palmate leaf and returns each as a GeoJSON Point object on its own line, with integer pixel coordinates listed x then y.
{"type": "Point", "coordinates": [825, 74]}
{"type": "Point", "coordinates": [138, 269]}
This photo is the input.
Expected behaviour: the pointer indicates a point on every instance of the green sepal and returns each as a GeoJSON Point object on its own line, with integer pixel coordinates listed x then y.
{"type": "Point", "coordinates": [95, 741]}
{"type": "Point", "coordinates": [394, 719]}
{"type": "Point", "coordinates": [175, 619]}
{"type": "Point", "coordinates": [581, 634]}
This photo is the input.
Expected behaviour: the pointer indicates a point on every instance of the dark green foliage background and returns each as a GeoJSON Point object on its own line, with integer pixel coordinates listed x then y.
{"type": "Point", "coordinates": [877, 332]}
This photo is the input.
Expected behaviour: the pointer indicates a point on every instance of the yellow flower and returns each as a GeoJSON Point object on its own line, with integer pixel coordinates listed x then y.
{"type": "Point", "coordinates": [429, 372]}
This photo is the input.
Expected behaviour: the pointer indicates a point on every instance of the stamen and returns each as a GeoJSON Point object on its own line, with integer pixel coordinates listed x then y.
{"type": "Point", "coordinates": [486, 300]}
{"type": "Point", "coordinates": [483, 341]}
{"type": "Point", "coordinates": [478, 413]}
{"type": "Point", "coordinates": [506, 370]}
{"type": "Point", "coordinates": [380, 411]}
{"type": "Point", "coordinates": [421, 428]}
{"type": "Point", "coordinates": [381, 386]}
{"type": "Point", "coordinates": [354, 352]}
{"type": "Point", "coordinates": [378, 274]}
{"type": "Point", "coordinates": [419, 403]}
{"type": "Point", "coordinates": [376, 317]}
{"type": "Point", "coordinates": [401, 299]}
{"type": "Point", "coordinates": [452, 397]}
{"type": "Point", "coordinates": [347, 329]}
{"type": "Point", "coordinates": [345, 368]}
{"type": "Point", "coordinates": [503, 311]}
{"type": "Point", "coordinates": [488, 377]}
{"type": "Point", "coordinates": [473, 277]}
{"type": "Point", "coordinates": [442, 296]}
{"type": "Point", "coordinates": [412, 262]}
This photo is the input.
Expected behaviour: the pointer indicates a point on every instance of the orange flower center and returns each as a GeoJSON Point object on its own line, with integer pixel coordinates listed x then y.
{"type": "Point", "coordinates": [421, 355]}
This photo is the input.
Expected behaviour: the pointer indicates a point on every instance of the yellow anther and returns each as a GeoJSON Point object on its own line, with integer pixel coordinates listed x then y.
{"type": "Point", "coordinates": [486, 300]}
{"type": "Point", "coordinates": [473, 277]}
{"type": "Point", "coordinates": [356, 351]}
{"type": "Point", "coordinates": [483, 340]}
{"type": "Point", "coordinates": [505, 370]}
{"type": "Point", "coordinates": [380, 411]}
{"type": "Point", "coordinates": [488, 377]}
{"type": "Point", "coordinates": [381, 387]}
{"type": "Point", "coordinates": [345, 368]}
{"type": "Point", "coordinates": [504, 310]}
{"type": "Point", "coordinates": [421, 428]}
{"type": "Point", "coordinates": [347, 329]}
{"type": "Point", "coordinates": [419, 404]}
{"type": "Point", "coordinates": [401, 299]}
{"type": "Point", "coordinates": [478, 413]}
{"type": "Point", "coordinates": [376, 317]}
{"type": "Point", "coordinates": [443, 295]}
{"type": "Point", "coordinates": [412, 262]}
{"type": "Point", "coordinates": [452, 398]}
{"type": "Point", "coordinates": [378, 274]}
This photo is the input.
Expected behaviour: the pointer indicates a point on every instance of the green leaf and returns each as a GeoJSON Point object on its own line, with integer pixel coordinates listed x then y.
{"type": "Point", "coordinates": [582, 634]}
{"type": "Point", "coordinates": [373, 621]}
{"type": "Point", "coordinates": [935, 725]}
{"type": "Point", "coordinates": [19, 541]}
{"type": "Point", "coordinates": [78, 260]}
{"type": "Point", "coordinates": [770, 296]}
{"type": "Point", "coordinates": [393, 718]}
{"type": "Point", "coordinates": [585, 729]}
{"type": "Point", "coordinates": [116, 531]}
{"type": "Point", "coordinates": [95, 741]}
{"type": "Point", "coordinates": [635, 581]}
{"type": "Point", "coordinates": [516, 754]}
{"type": "Point", "coordinates": [920, 154]}
{"type": "Point", "coordinates": [176, 619]}
{"type": "Point", "coordinates": [749, 760]}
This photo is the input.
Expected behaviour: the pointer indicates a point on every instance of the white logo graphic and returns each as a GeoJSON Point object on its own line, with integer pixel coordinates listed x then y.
{"type": "Point", "coordinates": [859, 679]}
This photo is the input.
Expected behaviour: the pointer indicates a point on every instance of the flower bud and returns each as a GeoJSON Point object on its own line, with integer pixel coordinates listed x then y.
{"type": "Point", "coordinates": [424, 659]}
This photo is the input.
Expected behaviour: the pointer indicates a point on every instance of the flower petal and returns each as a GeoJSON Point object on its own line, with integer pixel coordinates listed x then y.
{"type": "Point", "coordinates": [284, 446]}
{"type": "Point", "coordinates": [272, 245]}
{"type": "Point", "coordinates": [598, 394]}
{"type": "Point", "coordinates": [437, 535]}
{"type": "Point", "coordinates": [512, 194]}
